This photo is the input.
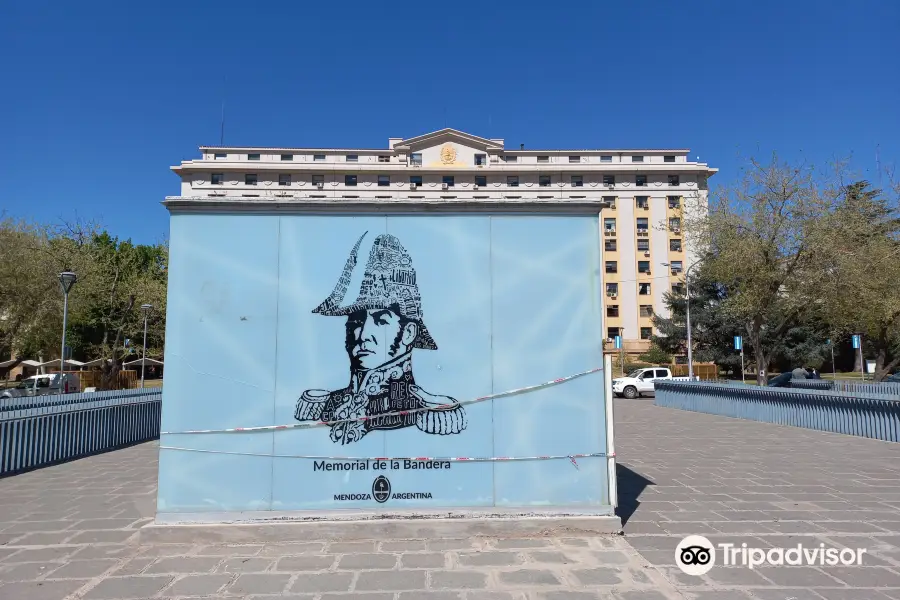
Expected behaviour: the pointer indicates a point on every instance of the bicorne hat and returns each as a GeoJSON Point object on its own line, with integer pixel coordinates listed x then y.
{"type": "Point", "coordinates": [388, 282]}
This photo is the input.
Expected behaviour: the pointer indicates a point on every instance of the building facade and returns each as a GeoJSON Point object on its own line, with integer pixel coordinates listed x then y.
{"type": "Point", "coordinates": [642, 194]}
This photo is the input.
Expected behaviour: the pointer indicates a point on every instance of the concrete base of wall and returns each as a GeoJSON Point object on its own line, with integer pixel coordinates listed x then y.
{"type": "Point", "coordinates": [231, 528]}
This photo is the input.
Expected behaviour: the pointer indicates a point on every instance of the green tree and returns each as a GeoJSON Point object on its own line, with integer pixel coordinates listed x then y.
{"type": "Point", "coordinates": [656, 355]}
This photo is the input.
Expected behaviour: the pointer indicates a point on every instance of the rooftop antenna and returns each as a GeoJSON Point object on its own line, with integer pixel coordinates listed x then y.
{"type": "Point", "coordinates": [222, 126]}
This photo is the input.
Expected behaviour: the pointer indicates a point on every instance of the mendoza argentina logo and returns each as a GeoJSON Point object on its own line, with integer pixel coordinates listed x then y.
{"type": "Point", "coordinates": [381, 493]}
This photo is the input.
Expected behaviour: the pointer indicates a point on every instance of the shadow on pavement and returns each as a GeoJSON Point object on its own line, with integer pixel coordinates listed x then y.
{"type": "Point", "coordinates": [630, 487]}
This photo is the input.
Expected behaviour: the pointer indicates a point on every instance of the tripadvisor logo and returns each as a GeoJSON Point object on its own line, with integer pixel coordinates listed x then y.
{"type": "Point", "coordinates": [696, 555]}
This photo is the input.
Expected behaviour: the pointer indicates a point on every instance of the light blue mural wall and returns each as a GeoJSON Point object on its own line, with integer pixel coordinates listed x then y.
{"type": "Point", "coordinates": [510, 301]}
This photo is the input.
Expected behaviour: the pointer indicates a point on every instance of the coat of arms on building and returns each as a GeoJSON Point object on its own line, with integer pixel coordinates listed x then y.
{"type": "Point", "coordinates": [384, 324]}
{"type": "Point", "coordinates": [448, 154]}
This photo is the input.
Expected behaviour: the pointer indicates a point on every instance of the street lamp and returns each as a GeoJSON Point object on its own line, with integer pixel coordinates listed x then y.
{"type": "Point", "coordinates": [66, 280]}
{"type": "Point", "coordinates": [687, 304]}
{"type": "Point", "coordinates": [145, 308]}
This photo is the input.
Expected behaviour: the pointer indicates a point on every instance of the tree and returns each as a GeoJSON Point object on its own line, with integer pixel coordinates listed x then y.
{"type": "Point", "coordinates": [762, 242]}
{"type": "Point", "coordinates": [863, 295]}
{"type": "Point", "coordinates": [656, 356]}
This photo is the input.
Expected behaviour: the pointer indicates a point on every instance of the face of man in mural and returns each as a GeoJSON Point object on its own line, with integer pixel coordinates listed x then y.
{"type": "Point", "coordinates": [377, 336]}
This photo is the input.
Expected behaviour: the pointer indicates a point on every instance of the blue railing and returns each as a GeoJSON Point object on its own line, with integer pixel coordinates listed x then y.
{"type": "Point", "coordinates": [853, 388]}
{"type": "Point", "coordinates": [44, 430]}
{"type": "Point", "coordinates": [874, 416]}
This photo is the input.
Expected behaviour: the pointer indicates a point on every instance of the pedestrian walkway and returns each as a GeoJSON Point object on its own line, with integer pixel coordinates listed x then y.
{"type": "Point", "coordinates": [72, 531]}
{"type": "Point", "coordinates": [769, 486]}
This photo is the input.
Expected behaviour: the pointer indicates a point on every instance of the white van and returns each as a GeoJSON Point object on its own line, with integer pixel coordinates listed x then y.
{"type": "Point", "coordinates": [44, 385]}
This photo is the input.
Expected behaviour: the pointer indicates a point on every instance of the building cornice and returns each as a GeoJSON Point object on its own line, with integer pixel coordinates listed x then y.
{"type": "Point", "coordinates": [225, 204]}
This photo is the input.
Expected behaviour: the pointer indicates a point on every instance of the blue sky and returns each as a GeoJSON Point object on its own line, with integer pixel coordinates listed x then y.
{"type": "Point", "coordinates": [101, 98]}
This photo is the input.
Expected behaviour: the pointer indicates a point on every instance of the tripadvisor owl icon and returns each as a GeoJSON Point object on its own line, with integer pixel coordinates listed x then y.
{"type": "Point", "coordinates": [381, 489]}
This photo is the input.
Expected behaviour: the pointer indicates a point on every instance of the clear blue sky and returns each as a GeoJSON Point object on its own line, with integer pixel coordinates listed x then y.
{"type": "Point", "coordinates": [101, 98]}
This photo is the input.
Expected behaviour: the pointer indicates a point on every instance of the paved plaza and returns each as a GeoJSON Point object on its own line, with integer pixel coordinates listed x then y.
{"type": "Point", "coordinates": [72, 531]}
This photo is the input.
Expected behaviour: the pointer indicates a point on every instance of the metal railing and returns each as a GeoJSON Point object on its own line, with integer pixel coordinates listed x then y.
{"type": "Point", "coordinates": [867, 415]}
{"type": "Point", "coordinates": [849, 387]}
{"type": "Point", "coordinates": [44, 430]}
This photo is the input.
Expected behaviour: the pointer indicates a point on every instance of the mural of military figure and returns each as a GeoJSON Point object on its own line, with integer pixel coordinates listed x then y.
{"type": "Point", "coordinates": [384, 325]}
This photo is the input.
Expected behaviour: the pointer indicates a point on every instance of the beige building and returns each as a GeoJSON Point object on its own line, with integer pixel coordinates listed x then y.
{"type": "Point", "coordinates": [640, 195]}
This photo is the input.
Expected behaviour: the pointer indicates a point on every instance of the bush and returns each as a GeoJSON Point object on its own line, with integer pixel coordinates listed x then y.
{"type": "Point", "coordinates": [656, 355]}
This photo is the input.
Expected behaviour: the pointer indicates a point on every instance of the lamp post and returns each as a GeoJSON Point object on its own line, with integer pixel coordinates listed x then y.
{"type": "Point", "coordinates": [145, 309]}
{"type": "Point", "coordinates": [66, 280]}
{"type": "Point", "coordinates": [687, 304]}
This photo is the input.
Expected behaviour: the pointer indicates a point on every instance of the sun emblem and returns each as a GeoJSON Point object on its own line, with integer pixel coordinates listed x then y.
{"type": "Point", "coordinates": [448, 155]}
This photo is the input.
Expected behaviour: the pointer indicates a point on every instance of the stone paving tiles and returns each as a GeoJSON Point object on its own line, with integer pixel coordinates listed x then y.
{"type": "Point", "coordinates": [71, 532]}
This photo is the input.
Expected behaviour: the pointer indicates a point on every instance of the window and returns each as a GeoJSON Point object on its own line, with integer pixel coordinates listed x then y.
{"type": "Point", "coordinates": [220, 156]}
{"type": "Point", "coordinates": [676, 267]}
{"type": "Point", "coordinates": [674, 180]}
{"type": "Point", "coordinates": [574, 159]}
{"type": "Point", "coordinates": [318, 157]}
{"type": "Point", "coordinates": [350, 180]}
{"type": "Point", "coordinates": [640, 180]}
{"type": "Point", "coordinates": [646, 333]}
{"type": "Point", "coordinates": [675, 224]}
{"type": "Point", "coordinates": [612, 332]}
{"type": "Point", "coordinates": [543, 159]}
{"type": "Point", "coordinates": [253, 157]}
{"type": "Point", "coordinates": [662, 373]}
{"type": "Point", "coordinates": [642, 201]}
{"type": "Point", "coordinates": [352, 158]}
{"type": "Point", "coordinates": [577, 181]}
{"type": "Point", "coordinates": [609, 224]}
{"type": "Point", "coordinates": [284, 179]}
{"type": "Point", "coordinates": [544, 180]}
{"type": "Point", "coordinates": [447, 180]}
{"type": "Point", "coordinates": [384, 180]}
{"type": "Point", "coordinates": [610, 199]}
{"type": "Point", "coordinates": [646, 310]}
{"type": "Point", "coordinates": [216, 178]}
{"type": "Point", "coordinates": [612, 310]}
{"type": "Point", "coordinates": [643, 289]}
{"type": "Point", "coordinates": [606, 158]}
{"type": "Point", "coordinates": [287, 157]}
{"type": "Point", "coordinates": [678, 289]}
{"type": "Point", "coordinates": [675, 245]}
{"type": "Point", "coordinates": [481, 159]}
{"type": "Point", "coordinates": [637, 158]}
{"type": "Point", "coordinates": [674, 201]}
{"type": "Point", "coordinates": [643, 245]}
{"type": "Point", "coordinates": [383, 158]}
{"type": "Point", "coordinates": [612, 289]}
{"type": "Point", "coordinates": [481, 180]}
{"type": "Point", "coordinates": [512, 180]}
{"type": "Point", "coordinates": [415, 159]}
{"type": "Point", "coordinates": [609, 180]}
{"type": "Point", "coordinates": [250, 179]}
{"type": "Point", "coordinates": [318, 180]}
{"type": "Point", "coordinates": [669, 158]}
{"type": "Point", "coordinates": [612, 266]}
{"type": "Point", "coordinates": [511, 159]}
{"type": "Point", "coordinates": [643, 224]}
{"type": "Point", "coordinates": [416, 180]}
{"type": "Point", "coordinates": [610, 245]}
{"type": "Point", "coordinates": [643, 266]}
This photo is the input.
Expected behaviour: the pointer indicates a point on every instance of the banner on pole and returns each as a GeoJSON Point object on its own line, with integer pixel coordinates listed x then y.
{"type": "Point", "coordinates": [856, 341]}
{"type": "Point", "coordinates": [618, 340]}
{"type": "Point", "coordinates": [738, 342]}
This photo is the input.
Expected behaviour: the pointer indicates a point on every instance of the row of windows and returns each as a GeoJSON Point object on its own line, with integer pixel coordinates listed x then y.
{"type": "Point", "coordinates": [612, 266]}
{"type": "Point", "coordinates": [646, 332]}
{"type": "Point", "coordinates": [643, 245]}
{"type": "Point", "coordinates": [511, 181]}
{"type": "Point", "coordinates": [612, 310]}
{"type": "Point", "coordinates": [416, 158]}
{"type": "Point", "coordinates": [642, 225]}
{"type": "Point", "coordinates": [612, 289]}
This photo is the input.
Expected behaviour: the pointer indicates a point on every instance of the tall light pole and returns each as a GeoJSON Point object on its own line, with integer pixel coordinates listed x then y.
{"type": "Point", "coordinates": [145, 308]}
{"type": "Point", "coordinates": [66, 280]}
{"type": "Point", "coordinates": [687, 304]}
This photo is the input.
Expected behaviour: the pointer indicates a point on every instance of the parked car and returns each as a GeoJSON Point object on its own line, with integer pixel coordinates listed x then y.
{"type": "Point", "coordinates": [782, 380]}
{"type": "Point", "coordinates": [44, 385]}
{"type": "Point", "coordinates": [895, 378]}
{"type": "Point", "coordinates": [641, 381]}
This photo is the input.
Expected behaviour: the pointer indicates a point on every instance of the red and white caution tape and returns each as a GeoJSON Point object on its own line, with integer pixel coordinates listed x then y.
{"type": "Point", "coordinates": [572, 457]}
{"type": "Point", "coordinates": [312, 424]}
